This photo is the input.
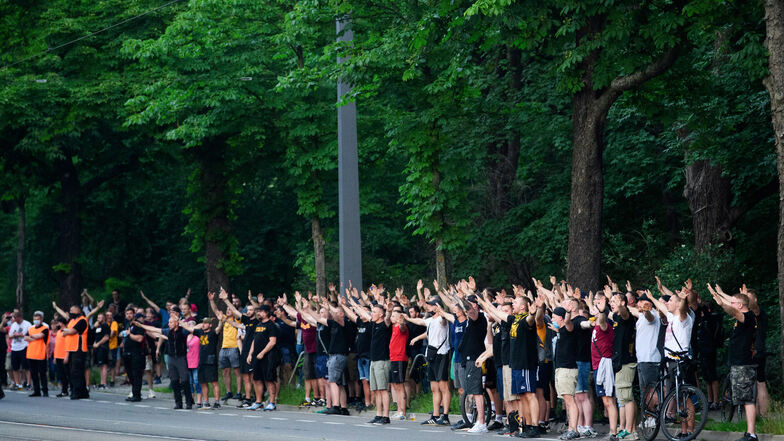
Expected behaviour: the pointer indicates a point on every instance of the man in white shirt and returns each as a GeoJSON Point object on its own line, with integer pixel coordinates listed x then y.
{"type": "Point", "coordinates": [438, 356]}
{"type": "Point", "coordinates": [20, 370]}
{"type": "Point", "coordinates": [646, 348]}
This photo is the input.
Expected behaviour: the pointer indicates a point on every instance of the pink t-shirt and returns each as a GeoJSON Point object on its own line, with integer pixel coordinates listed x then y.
{"type": "Point", "coordinates": [193, 352]}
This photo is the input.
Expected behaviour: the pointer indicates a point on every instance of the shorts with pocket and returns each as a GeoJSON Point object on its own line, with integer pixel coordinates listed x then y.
{"type": "Point", "coordinates": [264, 370]}
{"type": "Point", "coordinates": [565, 381]}
{"type": "Point", "coordinates": [101, 355]}
{"type": "Point", "coordinates": [473, 379]}
{"type": "Point", "coordinates": [352, 373]}
{"type": "Point", "coordinates": [19, 360]}
{"type": "Point", "coordinates": [624, 380]}
{"type": "Point", "coordinates": [336, 369]}
{"type": "Point", "coordinates": [363, 368]}
{"type": "Point", "coordinates": [379, 374]}
{"type": "Point", "coordinates": [583, 376]}
{"type": "Point", "coordinates": [208, 373]}
{"type": "Point", "coordinates": [438, 367]}
{"type": "Point", "coordinates": [647, 374]}
{"type": "Point", "coordinates": [229, 358]}
{"type": "Point", "coordinates": [544, 375]}
{"type": "Point", "coordinates": [397, 371]}
{"type": "Point", "coordinates": [744, 384]}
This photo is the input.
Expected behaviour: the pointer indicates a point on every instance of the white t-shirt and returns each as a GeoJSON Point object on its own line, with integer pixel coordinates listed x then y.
{"type": "Point", "coordinates": [438, 332]}
{"type": "Point", "coordinates": [647, 337]}
{"type": "Point", "coordinates": [677, 338]}
{"type": "Point", "coordinates": [19, 343]}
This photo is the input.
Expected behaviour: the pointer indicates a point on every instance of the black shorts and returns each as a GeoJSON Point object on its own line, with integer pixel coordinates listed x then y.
{"type": "Point", "coordinates": [264, 369]}
{"type": "Point", "coordinates": [309, 366]}
{"type": "Point", "coordinates": [473, 379]}
{"type": "Point", "coordinates": [19, 360]}
{"type": "Point", "coordinates": [245, 368]}
{"type": "Point", "coordinates": [397, 371]}
{"type": "Point", "coordinates": [707, 360]}
{"type": "Point", "coordinates": [491, 374]}
{"type": "Point", "coordinates": [438, 367]}
{"type": "Point", "coordinates": [101, 356]}
{"type": "Point", "coordinates": [208, 373]}
{"type": "Point", "coordinates": [544, 375]}
{"type": "Point", "coordinates": [761, 371]}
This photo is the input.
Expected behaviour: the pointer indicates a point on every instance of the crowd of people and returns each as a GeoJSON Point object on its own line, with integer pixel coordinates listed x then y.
{"type": "Point", "coordinates": [525, 349]}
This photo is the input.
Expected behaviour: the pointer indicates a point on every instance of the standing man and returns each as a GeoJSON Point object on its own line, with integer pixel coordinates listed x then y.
{"type": "Point", "coordinates": [743, 372]}
{"type": "Point", "coordinates": [249, 322]}
{"type": "Point", "coordinates": [566, 362]}
{"type": "Point", "coordinates": [20, 369]}
{"type": "Point", "coordinates": [262, 358]}
{"type": "Point", "coordinates": [208, 353]}
{"type": "Point", "coordinates": [61, 359]}
{"type": "Point", "coordinates": [624, 324]}
{"type": "Point", "coordinates": [114, 347]}
{"type": "Point", "coordinates": [177, 347]}
{"type": "Point", "coordinates": [760, 354]}
{"type": "Point", "coordinates": [101, 347]}
{"type": "Point", "coordinates": [133, 353]}
{"type": "Point", "coordinates": [472, 346]}
{"type": "Point", "coordinates": [438, 360]}
{"type": "Point", "coordinates": [37, 350]}
{"type": "Point", "coordinates": [647, 351]}
{"type": "Point", "coordinates": [229, 356]}
{"type": "Point", "coordinates": [76, 345]}
{"type": "Point", "coordinates": [380, 335]}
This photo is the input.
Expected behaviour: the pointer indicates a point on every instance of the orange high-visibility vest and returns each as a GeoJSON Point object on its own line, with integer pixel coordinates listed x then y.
{"type": "Point", "coordinates": [37, 349]}
{"type": "Point", "coordinates": [60, 351]}
{"type": "Point", "coordinates": [72, 341]}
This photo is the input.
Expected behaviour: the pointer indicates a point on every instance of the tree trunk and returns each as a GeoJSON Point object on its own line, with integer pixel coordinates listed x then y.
{"type": "Point", "coordinates": [709, 196]}
{"type": "Point", "coordinates": [441, 264]}
{"type": "Point", "coordinates": [587, 192]}
{"type": "Point", "coordinates": [218, 229]}
{"type": "Point", "coordinates": [69, 270]}
{"type": "Point", "coordinates": [319, 256]}
{"type": "Point", "coordinates": [20, 254]}
{"type": "Point", "coordinates": [774, 40]}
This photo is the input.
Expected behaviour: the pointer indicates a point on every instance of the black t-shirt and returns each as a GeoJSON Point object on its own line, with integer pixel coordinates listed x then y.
{"type": "Point", "coordinates": [705, 331]}
{"type": "Point", "coordinates": [250, 327]}
{"type": "Point", "coordinates": [285, 334]}
{"type": "Point", "coordinates": [497, 344]}
{"type": "Point", "coordinates": [351, 335]}
{"type": "Point", "coordinates": [208, 345]}
{"type": "Point", "coordinates": [80, 327]}
{"type": "Point", "coordinates": [473, 343]}
{"type": "Point", "coordinates": [583, 340]}
{"type": "Point", "coordinates": [523, 343]}
{"type": "Point", "coordinates": [362, 342]}
{"type": "Point", "coordinates": [566, 346]}
{"type": "Point", "coordinates": [102, 331]}
{"type": "Point", "coordinates": [624, 337]}
{"type": "Point", "coordinates": [177, 343]}
{"type": "Point", "coordinates": [413, 332]}
{"type": "Point", "coordinates": [505, 350]}
{"type": "Point", "coordinates": [90, 338]}
{"type": "Point", "coordinates": [762, 331]}
{"type": "Point", "coordinates": [131, 346]}
{"type": "Point", "coordinates": [379, 341]}
{"type": "Point", "coordinates": [338, 338]}
{"type": "Point", "coordinates": [262, 334]}
{"type": "Point", "coordinates": [742, 340]}
{"type": "Point", "coordinates": [322, 340]}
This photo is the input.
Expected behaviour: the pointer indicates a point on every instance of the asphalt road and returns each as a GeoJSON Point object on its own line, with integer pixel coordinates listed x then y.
{"type": "Point", "coordinates": [109, 417]}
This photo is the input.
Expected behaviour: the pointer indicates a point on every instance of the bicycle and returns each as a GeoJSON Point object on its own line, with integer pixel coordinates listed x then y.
{"type": "Point", "coordinates": [683, 405]}
{"type": "Point", "coordinates": [728, 409]}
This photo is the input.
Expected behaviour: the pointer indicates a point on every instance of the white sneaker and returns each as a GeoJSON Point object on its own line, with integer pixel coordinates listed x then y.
{"type": "Point", "coordinates": [650, 422]}
{"type": "Point", "coordinates": [478, 428]}
{"type": "Point", "coordinates": [632, 437]}
{"type": "Point", "coordinates": [130, 394]}
{"type": "Point", "coordinates": [399, 416]}
{"type": "Point", "coordinates": [151, 394]}
{"type": "Point", "coordinates": [587, 432]}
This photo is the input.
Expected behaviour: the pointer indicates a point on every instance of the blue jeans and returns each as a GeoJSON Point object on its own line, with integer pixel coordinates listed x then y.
{"type": "Point", "coordinates": [194, 376]}
{"type": "Point", "coordinates": [583, 375]}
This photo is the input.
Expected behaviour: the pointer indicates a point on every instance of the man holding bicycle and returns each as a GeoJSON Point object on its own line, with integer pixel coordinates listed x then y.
{"type": "Point", "coordinates": [743, 371]}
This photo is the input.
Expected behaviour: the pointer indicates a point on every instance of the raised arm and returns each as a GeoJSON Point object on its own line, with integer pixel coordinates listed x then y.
{"type": "Point", "coordinates": [230, 309]}
{"type": "Point", "coordinates": [57, 309]}
{"type": "Point", "coordinates": [148, 327]}
{"type": "Point", "coordinates": [152, 304]}
{"type": "Point", "coordinates": [414, 320]}
{"type": "Point", "coordinates": [95, 310]}
{"type": "Point", "coordinates": [727, 307]}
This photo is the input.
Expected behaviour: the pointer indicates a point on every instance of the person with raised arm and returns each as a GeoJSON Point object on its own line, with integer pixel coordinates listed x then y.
{"type": "Point", "coordinates": [438, 354]}
{"type": "Point", "coordinates": [176, 336]}
{"type": "Point", "coordinates": [249, 321]}
{"type": "Point", "coordinates": [743, 371]}
{"type": "Point", "coordinates": [263, 358]}
{"type": "Point", "coordinates": [646, 348]}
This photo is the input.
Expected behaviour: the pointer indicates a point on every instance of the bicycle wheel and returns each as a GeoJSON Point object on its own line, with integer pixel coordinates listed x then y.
{"type": "Point", "coordinates": [685, 412]}
{"type": "Point", "coordinates": [727, 408]}
{"type": "Point", "coordinates": [469, 411]}
{"type": "Point", "coordinates": [648, 427]}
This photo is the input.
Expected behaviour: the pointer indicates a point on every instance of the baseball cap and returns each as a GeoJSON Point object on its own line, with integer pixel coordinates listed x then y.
{"type": "Point", "coordinates": [559, 311]}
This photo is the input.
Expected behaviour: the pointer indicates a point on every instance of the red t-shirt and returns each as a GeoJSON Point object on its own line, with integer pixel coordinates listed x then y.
{"type": "Point", "coordinates": [604, 341]}
{"type": "Point", "coordinates": [398, 343]}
